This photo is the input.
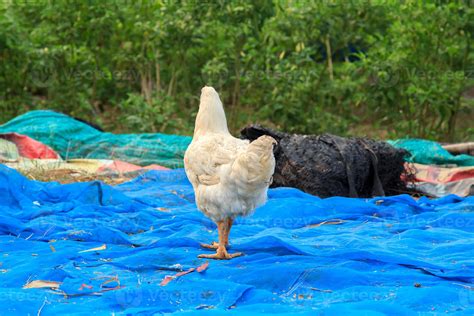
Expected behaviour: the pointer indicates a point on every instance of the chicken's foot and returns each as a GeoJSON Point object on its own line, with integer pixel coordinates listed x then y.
{"type": "Point", "coordinates": [223, 228]}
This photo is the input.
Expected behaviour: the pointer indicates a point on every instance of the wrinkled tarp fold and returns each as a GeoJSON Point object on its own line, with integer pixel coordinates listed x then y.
{"type": "Point", "coordinates": [437, 181]}
{"type": "Point", "coordinates": [28, 147]}
{"type": "Point", "coordinates": [89, 166]}
{"type": "Point", "coordinates": [74, 139]}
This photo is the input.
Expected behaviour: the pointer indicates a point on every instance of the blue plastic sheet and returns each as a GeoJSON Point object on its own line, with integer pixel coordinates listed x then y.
{"type": "Point", "coordinates": [304, 255]}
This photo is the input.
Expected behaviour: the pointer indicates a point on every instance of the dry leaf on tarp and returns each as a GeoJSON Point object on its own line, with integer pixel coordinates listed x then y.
{"type": "Point", "coordinates": [184, 272]}
{"type": "Point", "coordinates": [167, 279]}
{"type": "Point", "coordinates": [37, 284]}
{"type": "Point", "coordinates": [85, 286]}
{"type": "Point", "coordinates": [111, 280]}
{"type": "Point", "coordinates": [202, 267]}
{"type": "Point", "coordinates": [329, 222]}
{"type": "Point", "coordinates": [103, 247]}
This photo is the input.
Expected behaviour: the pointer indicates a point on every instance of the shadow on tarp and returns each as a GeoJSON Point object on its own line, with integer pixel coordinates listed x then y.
{"type": "Point", "coordinates": [304, 255]}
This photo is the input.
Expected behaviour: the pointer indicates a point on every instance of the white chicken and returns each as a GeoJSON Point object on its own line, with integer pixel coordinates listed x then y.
{"type": "Point", "coordinates": [230, 176]}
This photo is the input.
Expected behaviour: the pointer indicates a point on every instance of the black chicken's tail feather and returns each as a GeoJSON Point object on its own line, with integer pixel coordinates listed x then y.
{"type": "Point", "coordinates": [252, 132]}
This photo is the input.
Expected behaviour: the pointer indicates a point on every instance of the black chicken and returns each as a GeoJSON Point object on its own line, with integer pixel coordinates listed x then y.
{"type": "Point", "coordinates": [329, 165]}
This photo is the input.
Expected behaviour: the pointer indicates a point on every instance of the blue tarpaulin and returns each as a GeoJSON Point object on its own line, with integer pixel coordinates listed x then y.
{"type": "Point", "coordinates": [304, 255]}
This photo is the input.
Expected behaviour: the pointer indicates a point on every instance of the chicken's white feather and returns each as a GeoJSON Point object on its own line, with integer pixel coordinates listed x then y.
{"type": "Point", "coordinates": [230, 176]}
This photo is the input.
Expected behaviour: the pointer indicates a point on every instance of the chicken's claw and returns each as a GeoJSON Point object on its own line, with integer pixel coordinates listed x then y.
{"type": "Point", "coordinates": [213, 245]}
{"type": "Point", "coordinates": [221, 255]}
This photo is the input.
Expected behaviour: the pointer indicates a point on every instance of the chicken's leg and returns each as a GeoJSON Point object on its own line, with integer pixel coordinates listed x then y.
{"type": "Point", "coordinates": [214, 245]}
{"type": "Point", "coordinates": [228, 221]}
{"type": "Point", "coordinates": [223, 229]}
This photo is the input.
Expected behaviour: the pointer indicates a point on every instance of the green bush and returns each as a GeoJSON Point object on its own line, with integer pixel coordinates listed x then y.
{"type": "Point", "coordinates": [157, 115]}
{"type": "Point", "coordinates": [376, 68]}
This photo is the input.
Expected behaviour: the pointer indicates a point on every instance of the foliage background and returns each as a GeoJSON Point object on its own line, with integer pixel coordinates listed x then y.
{"type": "Point", "coordinates": [376, 68]}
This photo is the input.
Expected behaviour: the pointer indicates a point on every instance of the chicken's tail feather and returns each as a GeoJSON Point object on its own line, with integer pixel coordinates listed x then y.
{"type": "Point", "coordinates": [257, 163]}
